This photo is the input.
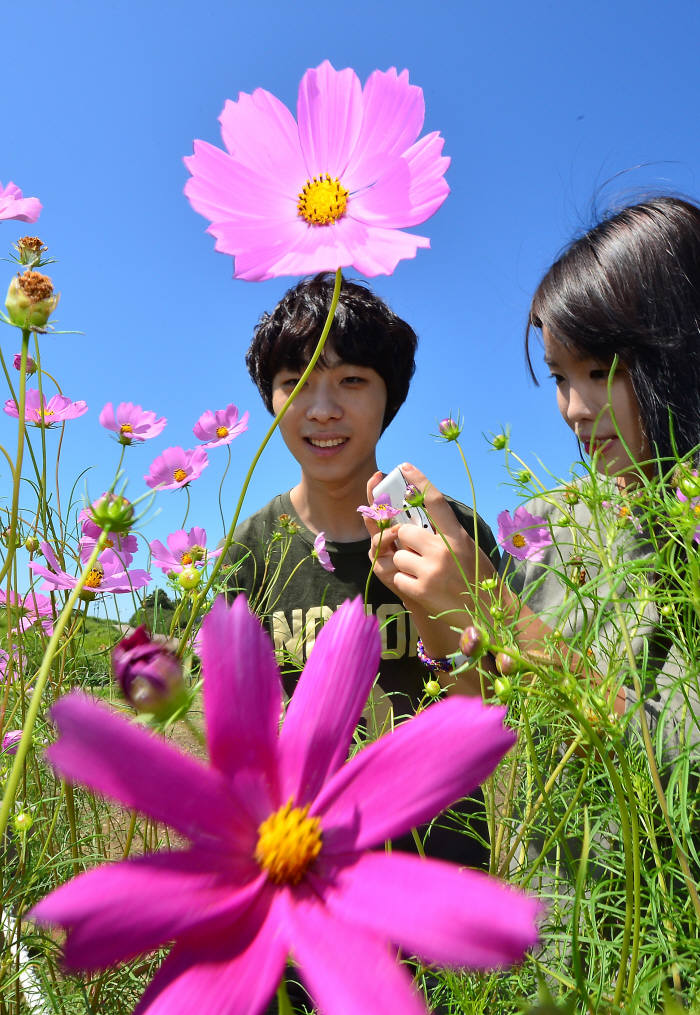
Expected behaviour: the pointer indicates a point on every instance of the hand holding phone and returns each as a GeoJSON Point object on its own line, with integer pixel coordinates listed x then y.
{"type": "Point", "coordinates": [393, 488]}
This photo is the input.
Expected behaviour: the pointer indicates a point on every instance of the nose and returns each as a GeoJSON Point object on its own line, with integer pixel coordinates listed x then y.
{"type": "Point", "coordinates": [323, 404]}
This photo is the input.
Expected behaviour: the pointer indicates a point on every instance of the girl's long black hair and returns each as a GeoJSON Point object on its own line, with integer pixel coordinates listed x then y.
{"type": "Point", "coordinates": [631, 287]}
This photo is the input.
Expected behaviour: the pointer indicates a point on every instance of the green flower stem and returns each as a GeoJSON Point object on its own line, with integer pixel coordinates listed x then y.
{"type": "Point", "coordinates": [371, 570]}
{"type": "Point", "coordinates": [70, 808]}
{"type": "Point", "coordinates": [12, 542]}
{"type": "Point", "coordinates": [476, 527]}
{"type": "Point", "coordinates": [43, 502]}
{"type": "Point", "coordinates": [221, 488]}
{"type": "Point", "coordinates": [199, 599]}
{"type": "Point", "coordinates": [39, 684]}
{"type": "Point", "coordinates": [284, 1005]}
{"type": "Point", "coordinates": [189, 503]}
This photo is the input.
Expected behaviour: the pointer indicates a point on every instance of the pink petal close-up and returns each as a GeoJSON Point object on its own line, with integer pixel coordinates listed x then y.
{"type": "Point", "coordinates": [333, 188]}
{"type": "Point", "coordinates": [246, 896]}
{"type": "Point", "coordinates": [14, 206]}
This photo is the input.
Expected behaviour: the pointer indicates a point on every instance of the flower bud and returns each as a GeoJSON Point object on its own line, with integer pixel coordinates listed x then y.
{"type": "Point", "coordinates": [499, 441]}
{"type": "Point", "coordinates": [432, 688]}
{"type": "Point", "coordinates": [31, 544]}
{"type": "Point", "coordinates": [449, 429]}
{"type": "Point", "coordinates": [413, 496]}
{"type": "Point", "coordinates": [503, 689]}
{"type": "Point", "coordinates": [571, 495]}
{"type": "Point", "coordinates": [488, 583]}
{"type": "Point", "coordinates": [30, 300]}
{"type": "Point", "coordinates": [112, 513]}
{"type": "Point", "coordinates": [472, 643]}
{"type": "Point", "coordinates": [189, 577]}
{"type": "Point", "coordinates": [10, 742]}
{"type": "Point", "coordinates": [29, 250]}
{"type": "Point", "coordinates": [506, 665]}
{"type": "Point", "coordinates": [524, 476]}
{"type": "Point", "coordinates": [23, 822]}
{"type": "Point", "coordinates": [29, 364]}
{"type": "Point", "coordinates": [149, 674]}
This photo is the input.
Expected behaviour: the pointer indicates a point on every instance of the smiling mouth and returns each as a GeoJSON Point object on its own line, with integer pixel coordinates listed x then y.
{"type": "Point", "coordinates": [331, 442]}
{"type": "Point", "coordinates": [596, 444]}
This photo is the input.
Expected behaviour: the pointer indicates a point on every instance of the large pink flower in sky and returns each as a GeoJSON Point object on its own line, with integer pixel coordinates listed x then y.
{"type": "Point", "coordinates": [220, 427]}
{"type": "Point", "coordinates": [39, 412]}
{"type": "Point", "coordinates": [108, 574]}
{"type": "Point", "coordinates": [130, 422]}
{"type": "Point", "coordinates": [280, 830]}
{"type": "Point", "coordinates": [333, 188]}
{"type": "Point", "coordinates": [175, 468]}
{"type": "Point", "coordinates": [184, 549]}
{"type": "Point", "coordinates": [14, 206]}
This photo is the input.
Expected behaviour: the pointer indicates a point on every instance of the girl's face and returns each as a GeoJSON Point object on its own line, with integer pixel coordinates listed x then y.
{"type": "Point", "coordinates": [604, 421]}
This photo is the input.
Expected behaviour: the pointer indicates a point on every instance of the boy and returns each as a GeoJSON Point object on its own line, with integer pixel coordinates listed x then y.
{"type": "Point", "coordinates": [332, 429]}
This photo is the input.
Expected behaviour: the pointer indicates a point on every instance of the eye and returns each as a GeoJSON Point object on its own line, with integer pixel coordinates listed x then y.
{"type": "Point", "coordinates": [288, 383]}
{"type": "Point", "coordinates": [353, 380]}
{"type": "Point", "coordinates": [599, 374]}
{"type": "Point", "coordinates": [557, 378]}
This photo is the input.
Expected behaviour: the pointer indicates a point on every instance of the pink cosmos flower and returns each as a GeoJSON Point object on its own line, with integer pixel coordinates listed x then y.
{"type": "Point", "coordinates": [524, 536]}
{"type": "Point", "coordinates": [14, 206]}
{"type": "Point", "coordinates": [10, 742]}
{"type": "Point", "coordinates": [380, 512]}
{"type": "Point", "coordinates": [131, 423]}
{"type": "Point", "coordinates": [124, 546]}
{"type": "Point", "coordinates": [334, 188]}
{"type": "Point", "coordinates": [107, 574]}
{"type": "Point", "coordinates": [220, 427]}
{"type": "Point", "coordinates": [30, 365]}
{"type": "Point", "coordinates": [184, 549]}
{"type": "Point", "coordinates": [175, 468]}
{"type": "Point", "coordinates": [321, 553]}
{"type": "Point", "coordinates": [39, 412]}
{"type": "Point", "coordinates": [281, 830]}
{"type": "Point", "coordinates": [25, 611]}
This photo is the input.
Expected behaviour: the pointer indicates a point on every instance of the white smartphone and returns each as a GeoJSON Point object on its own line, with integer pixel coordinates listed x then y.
{"type": "Point", "coordinates": [393, 488]}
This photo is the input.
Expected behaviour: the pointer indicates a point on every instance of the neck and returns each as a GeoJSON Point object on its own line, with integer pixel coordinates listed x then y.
{"type": "Point", "coordinates": [332, 507]}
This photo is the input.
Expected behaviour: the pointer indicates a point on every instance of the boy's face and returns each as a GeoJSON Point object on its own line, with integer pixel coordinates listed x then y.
{"type": "Point", "coordinates": [334, 423]}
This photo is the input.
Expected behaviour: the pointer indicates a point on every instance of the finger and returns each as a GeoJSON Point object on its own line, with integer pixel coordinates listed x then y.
{"type": "Point", "coordinates": [441, 514]}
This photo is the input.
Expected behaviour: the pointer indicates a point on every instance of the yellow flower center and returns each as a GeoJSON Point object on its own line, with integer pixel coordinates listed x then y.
{"type": "Point", "coordinates": [109, 543]}
{"type": "Point", "coordinates": [222, 431]}
{"type": "Point", "coordinates": [288, 842]}
{"type": "Point", "coordinates": [94, 577]}
{"type": "Point", "coordinates": [41, 415]}
{"type": "Point", "coordinates": [322, 201]}
{"type": "Point", "coordinates": [126, 428]}
{"type": "Point", "coordinates": [519, 540]}
{"type": "Point", "coordinates": [186, 558]}
{"type": "Point", "coordinates": [179, 475]}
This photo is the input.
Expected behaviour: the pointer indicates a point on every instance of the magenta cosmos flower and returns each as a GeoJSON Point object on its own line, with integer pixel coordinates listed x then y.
{"type": "Point", "coordinates": [25, 611]}
{"type": "Point", "coordinates": [694, 507]}
{"type": "Point", "coordinates": [29, 365]}
{"type": "Point", "coordinates": [108, 574]}
{"type": "Point", "coordinates": [124, 544]}
{"type": "Point", "coordinates": [333, 188]}
{"type": "Point", "coordinates": [131, 423]}
{"type": "Point", "coordinates": [39, 412]}
{"type": "Point", "coordinates": [14, 206]}
{"type": "Point", "coordinates": [321, 553]}
{"type": "Point", "coordinates": [524, 536]}
{"type": "Point", "coordinates": [184, 549]}
{"type": "Point", "coordinates": [381, 512]}
{"type": "Point", "coordinates": [220, 427]}
{"type": "Point", "coordinates": [280, 830]}
{"type": "Point", "coordinates": [176, 468]}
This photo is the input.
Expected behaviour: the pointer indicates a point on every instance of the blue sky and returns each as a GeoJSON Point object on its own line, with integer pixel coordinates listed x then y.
{"type": "Point", "coordinates": [548, 110]}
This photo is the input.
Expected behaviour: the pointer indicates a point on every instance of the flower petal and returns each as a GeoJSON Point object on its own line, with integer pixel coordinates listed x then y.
{"type": "Point", "coordinates": [261, 133]}
{"type": "Point", "coordinates": [177, 892]}
{"type": "Point", "coordinates": [394, 784]}
{"type": "Point", "coordinates": [435, 910]}
{"type": "Point", "coordinates": [328, 701]}
{"type": "Point", "coordinates": [329, 114]}
{"type": "Point", "coordinates": [393, 114]}
{"type": "Point", "coordinates": [346, 968]}
{"type": "Point", "coordinates": [220, 188]}
{"type": "Point", "coordinates": [110, 755]}
{"type": "Point", "coordinates": [220, 976]}
{"type": "Point", "coordinates": [242, 697]}
{"type": "Point", "coordinates": [383, 248]}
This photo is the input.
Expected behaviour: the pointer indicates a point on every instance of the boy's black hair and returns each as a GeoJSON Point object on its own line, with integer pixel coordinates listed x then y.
{"type": "Point", "coordinates": [631, 287]}
{"type": "Point", "coordinates": [365, 332]}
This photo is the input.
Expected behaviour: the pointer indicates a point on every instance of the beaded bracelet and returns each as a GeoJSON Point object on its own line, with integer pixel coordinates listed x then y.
{"type": "Point", "coordinates": [446, 664]}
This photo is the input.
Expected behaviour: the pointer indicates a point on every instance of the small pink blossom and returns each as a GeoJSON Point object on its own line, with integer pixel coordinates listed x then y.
{"type": "Point", "coordinates": [106, 575]}
{"type": "Point", "coordinates": [10, 742]}
{"type": "Point", "coordinates": [39, 412]}
{"type": "Point", "coordinates": [30, 365]}
{"type": "Point", "coordinates": [624, 514]}
{"type": "Point", "coordinates": [524, 536]}
{"type": "Point", "coordinates": [220, 427]}
{"type": "Point", "coordinates": [5, 658]}
{"type": "Point", "coordinates": [321, 553]}
{"type": "Point", "coordinates": [694, 507]}
{"type": "Point", "coordinates": [25, 611]}
{"type": "Point", "coordinates": [185, 549]}
{"type": "Point", "coordinates": [175, 468]}
{"type": "Point", "coordinates": [14, 206]}
{"type": "Point", "coordinates": [285, 851]}
{"type": "Point", "coordinates": [380, 512]}
{"type": "Point", "coordinates": [130, 422]}
{"type": "Point", "coordinates": [124, 545]}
